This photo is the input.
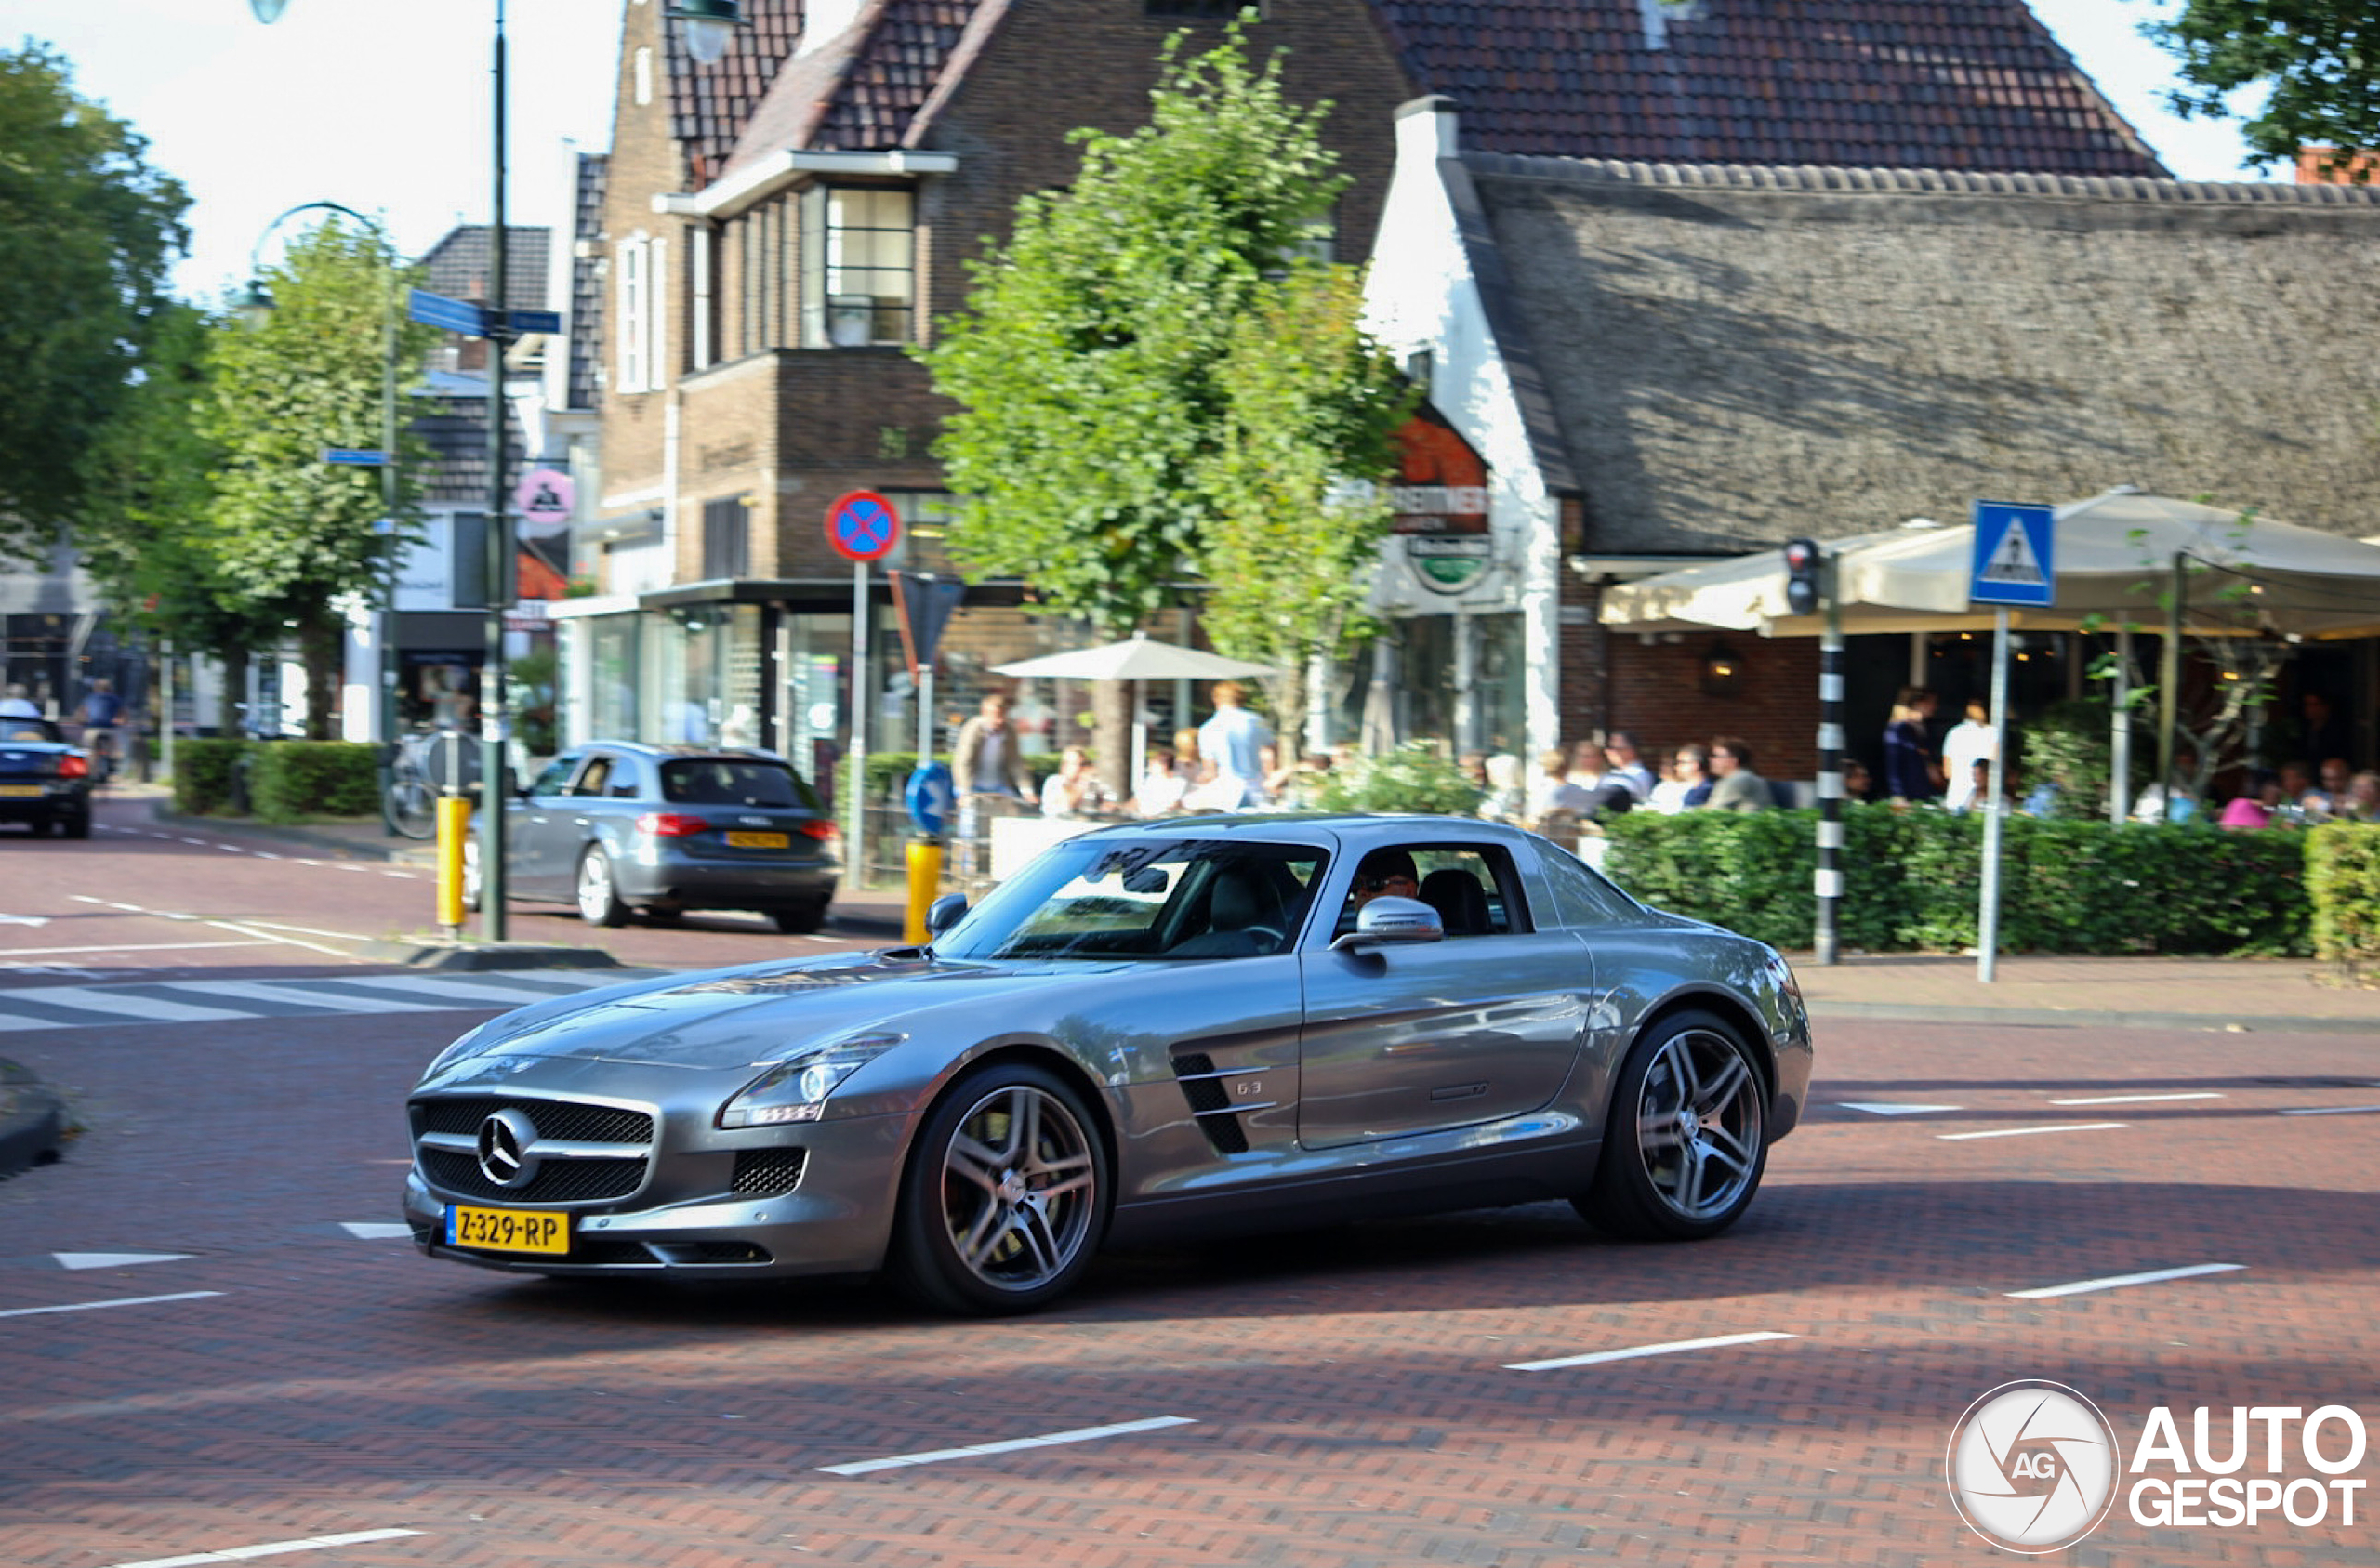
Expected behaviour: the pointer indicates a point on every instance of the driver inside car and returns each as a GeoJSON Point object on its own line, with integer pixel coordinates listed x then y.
{"type": "Point", "coordinates": [1384, 873]}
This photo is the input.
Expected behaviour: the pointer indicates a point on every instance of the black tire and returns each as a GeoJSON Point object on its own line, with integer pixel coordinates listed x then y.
{"type": "Point", "coordinates": [599, 895]}
{"type": "Point", "coordinates": [1005, 1197]}
{"type": "Point", "coordinates": [76, 827]}
{"type": "Point", "coordinates": [41, 827]}
{"type": "Point", "coordinates": [1687, 1135]}
{"type": "Point", "coordinates": [410, 808]}
{"type": "Point", "coordinates": [800, 919]}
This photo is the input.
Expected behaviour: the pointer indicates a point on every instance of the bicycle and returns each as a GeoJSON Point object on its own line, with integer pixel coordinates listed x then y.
{"type": "Point", "coordinates": [411, 803]}
{"type": "Point", "coordinates": [100, 742]}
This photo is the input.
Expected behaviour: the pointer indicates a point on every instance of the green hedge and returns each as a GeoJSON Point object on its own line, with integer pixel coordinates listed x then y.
{"type": "Point", "coordinates": [202, 775]}
{"type": "Point", "coordinates": [1911, 881]}
{"type": "Point", "coordinates": [2343, 874]}
{"type": "Point", "coordinates": [290, 781]}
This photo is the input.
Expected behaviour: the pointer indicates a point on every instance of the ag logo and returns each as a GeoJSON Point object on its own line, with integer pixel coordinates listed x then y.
{"type": "Point", "coordinates": [2033, 1467]}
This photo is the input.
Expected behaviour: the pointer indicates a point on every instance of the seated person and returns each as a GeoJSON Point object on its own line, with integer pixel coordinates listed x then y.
{"type": "Point", "coordinates": [1383, 874]}
{"type": "Point", "coordinates": [1074, 790]}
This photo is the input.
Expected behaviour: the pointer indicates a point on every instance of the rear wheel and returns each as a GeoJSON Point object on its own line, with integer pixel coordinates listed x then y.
{"type": "Point", "coordinates": [1687, 1136]}
{"type": "Point", "coordinates": [410, 807]}
{"type": "Point", "coordinates": [77, 825]}
{"type": "Point", "coordinates": [599, 897]}
{"type": "Point", "coordinates": [41, 827]}
{"type": "Point", "coordinates": [1005, 1195]}
{"type": "Point", "coordinates": [800, 919]}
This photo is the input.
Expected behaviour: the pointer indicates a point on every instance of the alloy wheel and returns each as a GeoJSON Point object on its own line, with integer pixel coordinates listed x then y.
{"type": "Point", "coordinates": [1019, 1188]}
{"type": "Point", "coordinates": [1698, 1123]}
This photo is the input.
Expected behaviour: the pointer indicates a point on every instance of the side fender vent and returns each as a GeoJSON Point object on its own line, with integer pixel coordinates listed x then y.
{"type": "Point", "coordinates": [1210, 1103]}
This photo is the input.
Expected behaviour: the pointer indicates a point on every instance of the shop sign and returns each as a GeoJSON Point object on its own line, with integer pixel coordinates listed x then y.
{"type": "Point", "coordinates": [1449, 563]}
{"type": "Point", "coordinates": [1441, 484]}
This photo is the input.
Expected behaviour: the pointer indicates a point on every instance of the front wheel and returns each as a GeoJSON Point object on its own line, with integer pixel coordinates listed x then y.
{"type": "Point", "coordinates": [1686, 1139]}
{"type": "Point", "coordinates": [1005, 1195]}
{"type": "Point", "coordinates": [410, 808]}
{"type": "Point", "coordinates": [599, 897]}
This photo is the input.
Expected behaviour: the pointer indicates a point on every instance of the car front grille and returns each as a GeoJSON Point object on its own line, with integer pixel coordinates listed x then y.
{"type": "Point", "coordinates": [557, 1181]}
{"type": "Point", "coordinates": [553, 1118]}
{"type": "Point", "coordinates": [766, 1173]}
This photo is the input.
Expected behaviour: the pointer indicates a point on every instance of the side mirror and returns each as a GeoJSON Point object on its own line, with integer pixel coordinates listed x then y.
{"type": "Point", "coordinates": [1391, 922]}
{"type": "Point", "coordinates": [944, 912]}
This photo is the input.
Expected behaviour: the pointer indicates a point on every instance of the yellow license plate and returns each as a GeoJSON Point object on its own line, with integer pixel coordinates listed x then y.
{"type": "Point", "coordinates": [759, 840]}
{"type": "Point", "coordinates": [36, 789]}
{"type": "Point", "coordinates": [507, 1229]}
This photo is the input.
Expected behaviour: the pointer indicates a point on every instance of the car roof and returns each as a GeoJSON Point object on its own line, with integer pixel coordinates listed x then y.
{"type": "Point", "coordinates": [683, 753]}
{"type": "Point", "coordinates": [1362, 828]}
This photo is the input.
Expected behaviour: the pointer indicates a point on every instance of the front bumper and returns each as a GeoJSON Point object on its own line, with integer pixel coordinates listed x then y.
{"type": "Point", "coordinates": [685, 1221]}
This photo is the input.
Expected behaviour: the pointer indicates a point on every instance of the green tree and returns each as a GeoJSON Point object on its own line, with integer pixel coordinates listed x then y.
{"type": "Point", "coordinates": [86, 232]}
{"type": "Point", "coordinates": [1103, 365]}
{"type": "Point", "coordinates": [290, 535]}
{"type": "Point", "coordinates": [1308, 400]}
{"type": "Point", "coordinates": [2321, 58]}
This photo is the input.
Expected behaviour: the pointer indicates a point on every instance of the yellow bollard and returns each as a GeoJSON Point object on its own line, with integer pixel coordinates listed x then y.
{"type": "Point", "coordinates": [454, 831]}
{"type": "Point", "coordinates": [925, 880]}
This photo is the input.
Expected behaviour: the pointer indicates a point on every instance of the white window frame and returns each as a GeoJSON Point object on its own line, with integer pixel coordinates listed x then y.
{"type": "Point", "coordinates": [635, 305]}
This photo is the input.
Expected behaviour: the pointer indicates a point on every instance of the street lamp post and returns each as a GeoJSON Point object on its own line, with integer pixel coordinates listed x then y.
{"type": "Point", "coordinates": [256, 304]}
{"type": "Point", "coordinates": [709, 24]}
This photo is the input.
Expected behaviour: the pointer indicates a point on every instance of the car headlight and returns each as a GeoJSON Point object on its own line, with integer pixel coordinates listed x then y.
{"type": "Point", "coordinates": [796, 1089]}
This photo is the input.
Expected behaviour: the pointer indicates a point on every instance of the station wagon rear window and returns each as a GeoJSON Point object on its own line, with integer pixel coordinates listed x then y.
{"type": "Point", "coordinates": [734, 782]}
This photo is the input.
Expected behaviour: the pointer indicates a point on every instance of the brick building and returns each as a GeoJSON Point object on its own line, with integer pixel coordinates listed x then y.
{"type": "Point", "coordinates": [779, 226]}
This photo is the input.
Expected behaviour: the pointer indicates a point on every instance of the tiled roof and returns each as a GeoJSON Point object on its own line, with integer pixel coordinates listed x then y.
{"type": "Point", "coordinates": [457, 266]}
{"type": "Point", "coordinates": [583, 384]}
{"type": "Point", "coordinates": [893, 73]}
{"type": "Point", "coordinates": [1865, 83]}
{"type": "Point", "coordinates": [455, 429]}
{"type": "Point", "coordinates": [710, 104]}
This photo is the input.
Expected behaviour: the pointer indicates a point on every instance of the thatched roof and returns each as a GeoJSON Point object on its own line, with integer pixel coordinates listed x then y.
{"type": "Point", "coordinates": [1735, 356]}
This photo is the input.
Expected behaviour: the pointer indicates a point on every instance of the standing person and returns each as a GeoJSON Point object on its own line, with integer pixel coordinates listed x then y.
{"type": "Point", "coordinates": [1551, 790]}
{"type": "Point", "coordinates": [1911, 772]}
{"type": "Point", "coordinates": [1968, 743]}
{"type": "Point", "coordinates": [1689, 771]}
{"type": "Point", "coordinates": [1240, 746]}
{"type": "Point", "coordinates": [1586, 765]}
{"type": "Point", "coordinates": [1737, 787]}
{"type": "Point", "coordinates": [1627, 766]}
{"type": "Point", "coordinates": [100, 711]}
{"type": "Point", "coordinates": [988, 759]}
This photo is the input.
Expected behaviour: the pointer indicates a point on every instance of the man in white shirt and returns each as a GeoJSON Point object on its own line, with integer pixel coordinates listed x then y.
{"type": "Point", "coordinates": [1240, 746]}
{"type": "Point", "coordinates": [1623, 764]}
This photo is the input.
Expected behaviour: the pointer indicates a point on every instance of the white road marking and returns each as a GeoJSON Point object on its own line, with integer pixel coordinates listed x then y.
{"type": "Point", "coordinates": [496, 994]}
{"type": "Point", "coordinates": [2019, 1132]}
{"type": "Point", "coordinates": [268, 936]}
{"type": "Point", "coordinates": [2114, 1281]}
{"type": "Point", "coordinates": [229, 849]}
{"type": "Point", "coordinates": [282, 991]}
{"type": "Point", "coordinates": [131, 947]}
{"type": "Point", "coordinates": [400, 875]}
{"type": "Point", "coordinates": [2137, 1098]}
{"type": "Point", "coordinates": [373, 1230]}
{"type": "Point", "coordinates": [2330, 1110]}
{"type": "Point", "coordinates": [119, 1302]}
{"type": "Point", "coordinates": [112, 1003]}
{"type": "Point", "coordinates": [113, 1260]}
{"type": "Point", "coordinates": [1633, 1352]}
{"type": "Point", "coordinates": [1890, 1108]}
{"type": "Point", "coordinates": [265, 855]}
{"type": "Point", "coordinates": [200, 842]}
{"type": "Point", "coordinates": [1052, 1440]}
{"type": "Point", "coordinates": [24, 919]}
{"type": "Point", "coordinates": [304, 930]}
{"type": "Point", "coordinates": [269, 1549]}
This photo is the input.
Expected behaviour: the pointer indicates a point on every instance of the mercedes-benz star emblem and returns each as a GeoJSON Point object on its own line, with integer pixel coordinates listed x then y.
{"type": "Point", "coordinates": [504, 1143]}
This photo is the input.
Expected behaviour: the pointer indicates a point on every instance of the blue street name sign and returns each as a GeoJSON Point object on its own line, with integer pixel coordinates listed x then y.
{"type": "Point", "coordinates": [2015, 556]}
{"type": "Point", "coordinates": [356, 457]}
{"type": "Point", "coordinates": [537, 320]}
{"type": "Point", "coordinates": [455, 315]}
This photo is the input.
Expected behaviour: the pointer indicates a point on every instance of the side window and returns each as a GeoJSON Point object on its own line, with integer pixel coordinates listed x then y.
{"type": "Point", "coordinates": [1581, 898]}
{"type": "Point", "coordinates": [627, 776]}
{"type": "Point", "coordinates": [551, 778]}
{"type": "Point", "coordinates": [1469, 887]}
{"type": "Point", "coordinates": [595, 779]}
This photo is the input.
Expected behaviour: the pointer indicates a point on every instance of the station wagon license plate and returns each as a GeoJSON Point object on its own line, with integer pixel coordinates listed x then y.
{"type": "Point", "coordinates": [759, 840]}
{"type": "Point", "coordinates": [507, 1229]}
{"type": "Point", "coordinates": [36, 789]}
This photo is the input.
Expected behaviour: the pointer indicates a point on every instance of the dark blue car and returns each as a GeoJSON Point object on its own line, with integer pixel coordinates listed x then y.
{"type": "Point", "coordinates": [45, 783]}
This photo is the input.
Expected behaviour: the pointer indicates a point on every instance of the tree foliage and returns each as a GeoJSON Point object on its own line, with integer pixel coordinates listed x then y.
{"type": "Point", "coordinates": [1106, 366]}
{"type": "Point", "coordinates": [87, 230]}
{"type": "Point", "coordinates": [2321, 58]}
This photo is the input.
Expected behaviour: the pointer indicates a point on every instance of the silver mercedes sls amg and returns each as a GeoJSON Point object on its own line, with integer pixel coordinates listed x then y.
{"type": "Point", "coordinates": [1155, 1031]}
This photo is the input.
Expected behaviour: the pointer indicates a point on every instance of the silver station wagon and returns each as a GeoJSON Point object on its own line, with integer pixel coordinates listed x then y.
{"type": "Point", "coordinates": [1155, 1031]}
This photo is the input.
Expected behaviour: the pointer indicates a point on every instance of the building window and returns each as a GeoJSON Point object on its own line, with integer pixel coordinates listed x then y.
{"type": "Point", "coordinates": [858, 267]}
{"type": "Point", "coordinates": [645, 77]}
{"type": "Point", "coordinates": [727, 539]}
{"type": "Point", "coordinates": [635, 319]}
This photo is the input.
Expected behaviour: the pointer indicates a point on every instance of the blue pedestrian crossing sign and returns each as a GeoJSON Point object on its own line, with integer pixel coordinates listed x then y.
{"type": "Point", "coordinates": [2015, 556]}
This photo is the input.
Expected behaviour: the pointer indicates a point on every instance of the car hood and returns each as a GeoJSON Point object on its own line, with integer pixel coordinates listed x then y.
{"type": "Point", "coordinates": [739, 1017]}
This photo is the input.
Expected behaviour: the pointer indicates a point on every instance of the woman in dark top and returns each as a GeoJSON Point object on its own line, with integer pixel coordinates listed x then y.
{"type": "Point", "coordinates": [1909, 770]}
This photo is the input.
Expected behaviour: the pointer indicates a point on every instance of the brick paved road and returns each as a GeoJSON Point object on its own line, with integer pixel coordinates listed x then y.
{"type": "Point", "coordinates": [1349, 1390]}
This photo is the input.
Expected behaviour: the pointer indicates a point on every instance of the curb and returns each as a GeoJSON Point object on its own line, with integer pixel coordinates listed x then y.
{"type": "Point", "coordinates": [2070, 1017]}
{"type": "Point", "coordinates": [430, 955]}
{"type": "Point", "coordinates": [398, 851]}
{"type": "Point", "coordinates": [32, 1121]}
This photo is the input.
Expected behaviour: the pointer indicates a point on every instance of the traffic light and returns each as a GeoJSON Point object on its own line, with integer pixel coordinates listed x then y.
{"type": "Point", "coordinates": [1802, 577]}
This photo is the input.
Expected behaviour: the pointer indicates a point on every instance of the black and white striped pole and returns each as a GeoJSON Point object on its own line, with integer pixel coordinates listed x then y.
{"type": "Point", "coordinates": [1806, 591]}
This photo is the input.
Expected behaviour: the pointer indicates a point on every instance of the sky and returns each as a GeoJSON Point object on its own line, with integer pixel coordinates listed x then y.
{"type": "Point", "coordinates": [382, 105]}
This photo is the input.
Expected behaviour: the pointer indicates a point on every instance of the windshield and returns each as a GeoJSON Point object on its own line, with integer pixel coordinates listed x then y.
{"type": "Point", "coordinates": [1142, 898]}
